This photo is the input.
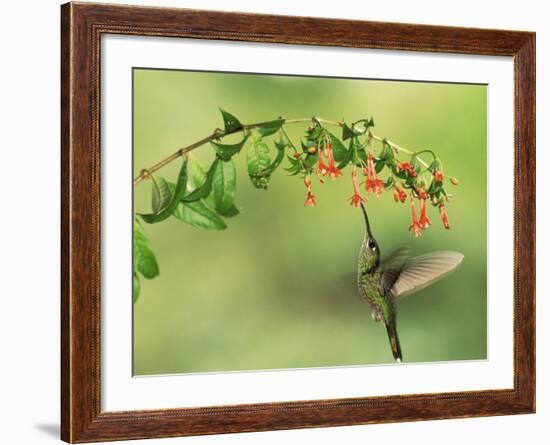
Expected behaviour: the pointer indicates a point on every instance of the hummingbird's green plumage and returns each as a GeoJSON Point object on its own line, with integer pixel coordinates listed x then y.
{"type": "Point", "coordinates": [381, 283]}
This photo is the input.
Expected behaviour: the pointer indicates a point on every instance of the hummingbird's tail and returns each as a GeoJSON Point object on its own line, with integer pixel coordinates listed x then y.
{"type": "Point", "coordinates": [394, 342]}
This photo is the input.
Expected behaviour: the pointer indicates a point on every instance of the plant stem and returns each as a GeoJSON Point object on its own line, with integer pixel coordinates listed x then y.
{"type": "Point", "coordinates": [218, 134]}
{"type": "Point", "coordinates": [292, 145]}
{"type": "Point", "coordinates": [396, 147]}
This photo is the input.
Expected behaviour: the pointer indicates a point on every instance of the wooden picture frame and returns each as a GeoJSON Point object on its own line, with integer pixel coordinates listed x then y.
{"type": "Point", "coordinates": [82, 25]}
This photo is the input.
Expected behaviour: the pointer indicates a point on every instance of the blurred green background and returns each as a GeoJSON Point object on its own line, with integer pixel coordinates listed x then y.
{"type": "Point", "coordinates": [276, 289]}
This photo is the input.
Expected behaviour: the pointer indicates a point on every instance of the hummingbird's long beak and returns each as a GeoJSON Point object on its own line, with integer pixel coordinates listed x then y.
{"type": "Point", "coordinates": [366, 220]}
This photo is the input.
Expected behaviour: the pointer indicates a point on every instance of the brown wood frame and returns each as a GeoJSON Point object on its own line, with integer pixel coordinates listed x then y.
{"type": "Point", "coordinates": [82, 25]}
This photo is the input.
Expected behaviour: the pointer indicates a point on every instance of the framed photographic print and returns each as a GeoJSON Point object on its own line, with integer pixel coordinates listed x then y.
{"type": "Point", "coordinates": [276, 222]}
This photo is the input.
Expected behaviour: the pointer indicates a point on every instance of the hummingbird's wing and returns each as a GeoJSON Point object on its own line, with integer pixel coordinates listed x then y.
{"type": "Point", "coordinates": [391, 267]}
{"type": "Point", "coordinates": [421, 271]}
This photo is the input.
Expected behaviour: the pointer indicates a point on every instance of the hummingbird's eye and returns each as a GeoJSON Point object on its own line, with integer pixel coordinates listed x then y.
{"type": "Point", "coordinates": [372, 245]}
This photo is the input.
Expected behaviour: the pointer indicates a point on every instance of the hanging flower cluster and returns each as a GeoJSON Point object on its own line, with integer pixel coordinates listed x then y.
{"type": "Point", "coordinates": [324, 152]}
{"type": "Point", "coordinates": [325, 155]}
{"type": "Point", "coordinates": [372, 184]}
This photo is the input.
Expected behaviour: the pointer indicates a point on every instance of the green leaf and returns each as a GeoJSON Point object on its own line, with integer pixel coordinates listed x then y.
{"type": "Point", "coordinates": [434, 188]}
{"type": "Point", "coordinates": [362, 125]}
{"type": "Point", "coordinates": [340, 152]}
{"type": "Point", "coordinates": [389, 182]}
{"type": "Point", "coordinates": [350, 153]}
{"type": "Point", "coordinates": [359, 157]}
{"type": "Point", "coordinates": [435, 165]}
{"type": "Point", "coordinates": [258, 160]}
{"type": "Point", "coordinates": [415, 163]}
{"type": "Point", "coordinates": [293, 161]}
{"type": "Point", "coordinates": [178, 193]}
{"type": "Point", "coordinates": [205, 179]}
{"type": "Point", "coordinates": [136, 287]}
{"type": "Point", "coordinates": [271, 127]}
{"type": "Point", "coordinates": [314, 134]}
{"type": "Point", "coordinates": [307, 145]}
{"type": "Point", "coordinates": [411, 181]}
{"type": "Point", "coordinates": [201, 178]}
{"type": "Point", "coordinates": [226, 151]}
{"type": "Point", "coordinates": [347, 132]}
{"type": "Point", "coordinates": [293, 169]}
{"type": "Point", "coordinates": [198, 214]}
{"type": "Point", "coordinates": [295, 166]}
{"type": "Point", "coordinates": [439, 196]}
{"type": "Point", "coordinates": [379, 165]}
{"type": "Point", "coordinates": [387, 154]}
{"type": "Point", "coordinates": [223, 186]}
{"type": "Point", "coordinates": [196, 172]}
{"type": "Point", "coordinates": [362, 156]}
{"type": "Point", "coordinates": [357, 128]}
{"type": "Point", "coordinates": [311, 160]}
{"type": "Point", "coordinates": [346, 160]}
{"type": "Point", "coordinates": [233, 211]}
{"type": "Point", "coordinates": [160, 195]}
{"type": "Point", "coordinates": [230, 122]}
{"type": "Point", "coordinates": [144, 258]}
{"type": "Point", "coordinates": [281, 144]}
{"type": "Point", "coordinates": [276, 162]}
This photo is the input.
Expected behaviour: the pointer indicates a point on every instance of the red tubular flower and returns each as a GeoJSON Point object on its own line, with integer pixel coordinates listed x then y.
{"type": "Point", "coordinates": [444, 217]}
{"type": "Point", "coordinates": [321, 166]}
{"type": "Point", "coordinates": [422, 194]}
{"type": "Point", "coordinates": [395, 195]}
{"type": "Point", "coordinates": [333, 171]}
{"type": "Point", "coordinates": [424, 221]}
{"type": "Point", "coordinates": [407, 167]}
{"type": "Point", "coordinates": [372, 184]}
{"type": "Point", "coordinates": [399, 194]}
{"type": "Point", "coordinates": [415, 226]}
{"type": "Point", "coordinates": [310, 199]}
{"type": "Point", "coordinates": [356, 199]}
{"type": "Point", "coordinates": [439, 176]}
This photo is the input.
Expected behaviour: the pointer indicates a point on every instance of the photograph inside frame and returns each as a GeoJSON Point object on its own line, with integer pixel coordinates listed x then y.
{"type": "Point", "coordinates": [297, 221]}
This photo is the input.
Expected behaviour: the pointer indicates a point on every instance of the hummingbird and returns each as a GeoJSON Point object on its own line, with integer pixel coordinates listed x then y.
{"type": "Point", "coordinates": [381, 283]}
